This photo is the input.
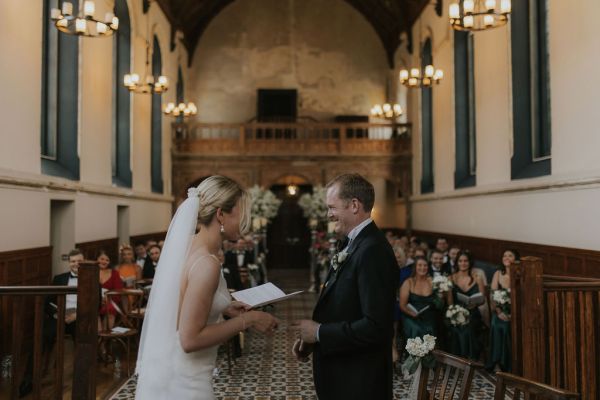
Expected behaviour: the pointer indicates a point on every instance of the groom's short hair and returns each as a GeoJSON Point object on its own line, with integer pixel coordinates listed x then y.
{"type": "Point", "coordinates": [354, 186]}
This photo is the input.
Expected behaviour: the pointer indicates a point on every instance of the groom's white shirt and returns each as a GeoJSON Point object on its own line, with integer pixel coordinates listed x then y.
{"type": "Point", "coordinates": [351, 236]}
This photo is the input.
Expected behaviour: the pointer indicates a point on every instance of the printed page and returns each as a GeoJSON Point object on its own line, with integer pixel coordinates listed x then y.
{"type": "Point", "coordinates": [262, 295]}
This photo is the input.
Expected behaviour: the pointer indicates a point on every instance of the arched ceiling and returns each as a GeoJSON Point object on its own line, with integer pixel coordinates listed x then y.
{"type": "Point", "coordinates": [389, 18]}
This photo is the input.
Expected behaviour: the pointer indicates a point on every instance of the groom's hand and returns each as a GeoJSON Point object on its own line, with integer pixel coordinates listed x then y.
{"type": "Point", "coordinates": [308, 330]}
{"type": "Point", "coordinates": [302, 350]}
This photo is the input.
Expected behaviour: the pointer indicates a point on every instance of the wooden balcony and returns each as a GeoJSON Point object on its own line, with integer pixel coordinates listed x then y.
{"type": "Point", "coordinates": [290, 139]}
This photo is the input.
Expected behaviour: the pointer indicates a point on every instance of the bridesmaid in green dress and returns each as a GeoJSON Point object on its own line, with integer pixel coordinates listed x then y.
{"type": "Point", "coordinates": [500, 341]}
{"type": "Point", "coordinates": [466, 340]}
{"type": "Point", "coordinates": [417, 291]}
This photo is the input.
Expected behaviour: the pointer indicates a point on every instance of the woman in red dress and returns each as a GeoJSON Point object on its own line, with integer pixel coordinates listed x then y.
{"type": "Point", "coordinates": [109, 280]}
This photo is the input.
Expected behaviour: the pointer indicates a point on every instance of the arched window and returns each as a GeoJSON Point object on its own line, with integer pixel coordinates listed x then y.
{"type": "Point", "coordinates": [531, 89]}
{"type": "Point", "coordinates": [156, 124]}
{"type": "Point", "coordinates": [464, 110]}
{"type": "Point", "coordinates": [60, 91]}
{"type": "Point", "coordinates": [179, 94]}
{"type": "Point", "coordinates": [426, 125]}
{"type": "Point", "coordinates": [121, 149]}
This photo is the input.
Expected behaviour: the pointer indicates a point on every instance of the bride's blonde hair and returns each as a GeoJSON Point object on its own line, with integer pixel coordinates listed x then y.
{"type": "Point", "coordinates": [221, 192]}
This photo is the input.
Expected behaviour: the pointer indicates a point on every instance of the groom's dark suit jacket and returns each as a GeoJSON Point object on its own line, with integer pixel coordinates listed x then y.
{"type": "Point", "coordinates": [353, 358]}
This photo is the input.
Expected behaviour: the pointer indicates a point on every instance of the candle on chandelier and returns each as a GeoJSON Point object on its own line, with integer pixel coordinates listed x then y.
{"type": "Point", "coordinates": [415, 72]}
{"type": "Point", "coordinates": [62, 23]}
{"type": "Point", "coordinates": [67, 8]}
{"type": "Point", "coordinates": [454, 11]}
{"type": "Point", "coordinates": [505, 6]}
{"type": "Point", "coordinates": [403, 75]}
{"type": "Point", "coordinates": [162, 80]}
{"type": "Point", "coordinates": [89, 8]}
{"type": "Point", "coordinates": [468, 6]}
{"type": "Point", "coordinates": [80, 25]}
{"type": "Point", "coordinates": [439, 74]}
{"type": "Point", "coordinates": [412, 82]}
{"type": "Point", "coordinates": [397, 109]}
{"type": "Point", "coordinates": [490, 5]}
{"type": "Point", "coordinates": [468, 21]}
{"type": "Point", "coordinates": [115, 23]}
{"type": "Point", "coordinates": [55, 13]}
{"type": "Point", "coordinates": [429, 71]}
{"type": "Point", "coordinates": [488, 20]}
{"type": "Point", "coordinates": [101, 28]}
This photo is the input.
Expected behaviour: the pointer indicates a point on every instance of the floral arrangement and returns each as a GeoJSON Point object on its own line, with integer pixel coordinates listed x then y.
{"type": "Point", "coordinates": [338, 259]}
{"type": "Point", "coordinates": [502, 299]}
{"type": "Point", "coordinates": [442, 284]}
{"type": "Point", "coordinates": [314, 206]}
{"type": "Point", "coordinates": [457, 315]}
{"type": "Point", "coordinates": [265, 206]}
{"type": "Point", "coordinates": [419, 351]}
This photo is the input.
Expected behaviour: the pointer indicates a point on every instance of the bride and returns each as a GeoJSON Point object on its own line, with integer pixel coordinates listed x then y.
{"type": "Point", "coordinates": [183, 326]}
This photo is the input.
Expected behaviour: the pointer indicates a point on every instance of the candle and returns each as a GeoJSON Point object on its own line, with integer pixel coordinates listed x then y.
{"type": "Point", "coordinates": [101, 28]}
{"type": "Point", "coordinates": [62, 23]}
{"type": "Point", "coordinates": [181, 106]}
{"type": "Point", "coordinates": [67, 8]}
{"type": "Point", "coordinates": [412, 82]}
{"type": "Point", "coordinates": [162, 80]}
{"type": "Point", "coordinates": [415, 73]}
{"type": "Point", "coordinates": [490, 4]}
{"type": "Point", "coordinates": [115, 23]}
{"type": "Point", "coordinates": [387, 107]}
{"type": "Point", "coordinates": [468, 21]}
{"type": "Point", "coordinates": [89, 8]}
{"type": "Point", "coordinates": [397, 109]}
{"type": "Point", "coordinates": [505, 6]}
{"type": "Point", "coordinates": [488, 20]}
{"type": "Point", "coordinates": [439, 74]}
{"type": "Point", "coordinates": [80, 25]}
{"type": "Point", "coordinates": [403, 75]}
{"type": "Point", "coordinates": [468, 6]}
{"type": "Point", "coordinates": [454, 11]}
{"type": "Point", "coordinates": [55, 13]}
{"type": "Point", "coordinates": [429, 71]}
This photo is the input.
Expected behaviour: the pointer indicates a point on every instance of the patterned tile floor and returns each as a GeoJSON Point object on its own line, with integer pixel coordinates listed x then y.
{"type": "Point", "coordinates": [267, 369]}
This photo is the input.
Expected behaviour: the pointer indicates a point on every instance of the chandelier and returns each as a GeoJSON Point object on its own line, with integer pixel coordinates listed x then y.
{"type": "Point", "coordinates": [147, 84]}
{"type": "Point", "coordinates": [389, 111]}
{"type": "Point", "coordinates": [416, 79]}
{"type": "Point", "coordinates": [182, 109]}
{"type": "Point", "coordinates": [478, 15]}
{"type": "Point", "coordinates": [84, 24]}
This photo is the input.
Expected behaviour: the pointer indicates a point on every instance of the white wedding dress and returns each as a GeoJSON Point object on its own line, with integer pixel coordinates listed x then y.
{"type": "Point", "coordinates": [164, 370]}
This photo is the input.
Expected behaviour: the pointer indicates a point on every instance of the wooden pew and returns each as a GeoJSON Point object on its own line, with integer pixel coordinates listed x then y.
{"type": "Point", "coordinates": [84, 366]}
{"type": "Point", "coordinates": [556, 328]}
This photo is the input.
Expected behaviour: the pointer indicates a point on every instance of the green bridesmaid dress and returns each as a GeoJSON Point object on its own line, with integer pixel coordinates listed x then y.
{"type": "Point", "coordinates": [425, 323]}
{"type": "Point", "coordinates": [466, 341]}
{"type": "Point", "coordinates": [500, 344]}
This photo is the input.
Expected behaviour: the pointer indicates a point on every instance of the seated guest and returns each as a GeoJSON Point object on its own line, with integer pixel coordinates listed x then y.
{"type": "Point", "coordinates": [403, 274]}
{"type": "Point", "coordinates": [129, 270]}
{"type": "Point", "coordinates": [437, 265]}
{"type": "Point", "coordinates": [417, 291]}
{"type": "Point", "coordinates": [151, 262]}
{"type": "Point", "coordinates": [452, 254]}
{"type": "Point", "coordinates": [500, 341]}
{"type": "Point", "coordinates": [140, 254]}
{"type": "Point", "coordinates": [109, 280]}
{"type": "Point", "coordinates": [465, 340]}
{"type": "Point", "coordinates": [49, 325]}
{"type": "Point", "coordinates": [441, 244]}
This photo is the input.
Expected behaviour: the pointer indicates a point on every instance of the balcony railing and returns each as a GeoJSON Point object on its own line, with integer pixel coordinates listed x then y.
{"type": "Point", "coordinates": [292, 138]}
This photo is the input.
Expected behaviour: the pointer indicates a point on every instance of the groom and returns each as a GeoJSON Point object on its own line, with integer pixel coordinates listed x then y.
{"type": "Point", "coordinates": [350, 335]}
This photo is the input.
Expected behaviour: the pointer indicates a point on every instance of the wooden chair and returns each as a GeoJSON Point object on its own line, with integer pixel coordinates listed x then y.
{"type": "Point", "coordinates": [529, 389]}
{"type": "Point", "coordinates": [449, 371]}
{"type": "Point", "coordinates": [125, 327]}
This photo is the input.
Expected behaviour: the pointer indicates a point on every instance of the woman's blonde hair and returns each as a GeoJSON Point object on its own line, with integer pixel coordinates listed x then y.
{"type": "Point", "coordinates": [221, 192]}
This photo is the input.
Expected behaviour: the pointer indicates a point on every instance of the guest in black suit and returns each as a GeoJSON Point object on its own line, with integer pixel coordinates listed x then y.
{"type": "Point", "coordinates": [350, 335]}
{"type": "Point", "coordinates": [437, 265]}
{"type": "Point", "coordinates": [151, 262]}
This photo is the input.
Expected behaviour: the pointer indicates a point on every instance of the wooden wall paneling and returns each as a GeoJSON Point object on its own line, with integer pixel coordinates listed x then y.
{"type": "Point", "coordinates": [554, 339]}
{"type": "Point", "coordinates": [157, 236]}
{"type": "Point", "coordinates": [91, 249]}
{"type": "Point", "coordinates": [570, 340]}
{"type": "Point", "coordinates": [589, 344]}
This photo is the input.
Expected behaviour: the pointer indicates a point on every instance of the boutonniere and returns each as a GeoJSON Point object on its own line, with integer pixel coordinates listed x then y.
{"type": "Point", "coordinates": [338, 259]}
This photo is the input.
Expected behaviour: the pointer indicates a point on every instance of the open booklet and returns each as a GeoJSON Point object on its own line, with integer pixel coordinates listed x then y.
{"type": "Point", "coordinates": [262, 295]}
{"type": "Point", "coordinates": [418, 312]}
{"type": "Point", "coordinates": [476, 299]}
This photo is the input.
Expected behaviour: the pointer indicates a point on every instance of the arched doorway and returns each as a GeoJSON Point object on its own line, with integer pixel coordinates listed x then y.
{"type": "Point", "coordinates": [288, 235]}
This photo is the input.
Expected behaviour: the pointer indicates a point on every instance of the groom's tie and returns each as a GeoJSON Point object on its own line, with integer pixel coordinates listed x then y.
{"type": "Point", "coordinates": [342, 243]}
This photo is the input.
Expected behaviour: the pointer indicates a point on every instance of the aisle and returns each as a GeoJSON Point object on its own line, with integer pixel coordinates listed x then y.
{"type": "Point", "coordinates": [268, 371]}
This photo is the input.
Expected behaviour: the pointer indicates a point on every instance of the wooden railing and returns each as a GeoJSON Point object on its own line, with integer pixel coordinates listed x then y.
{"type": "Point", "coordinates": [292, 138]}
{"type": "Point", "coordinates": [556, 328]}
{"type": "Point", "coordinates": [84, 366]}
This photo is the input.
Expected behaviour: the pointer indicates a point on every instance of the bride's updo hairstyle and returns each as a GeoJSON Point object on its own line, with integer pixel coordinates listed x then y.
{"type": "Point", "coordinates": [221, 192]}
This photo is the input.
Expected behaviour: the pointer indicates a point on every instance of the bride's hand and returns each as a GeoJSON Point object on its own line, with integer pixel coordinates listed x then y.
{"type": "Point", "coordinates": [263, 322]}
{"type": "Point", "coordinates": [236, 308]}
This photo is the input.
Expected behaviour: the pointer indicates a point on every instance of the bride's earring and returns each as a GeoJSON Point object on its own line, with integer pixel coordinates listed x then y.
{"type": "Point", "coordinates": [222, 229]}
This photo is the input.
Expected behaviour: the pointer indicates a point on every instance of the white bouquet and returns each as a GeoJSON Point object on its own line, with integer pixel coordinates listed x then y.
{"type": "Point", "coordinates": [265, 206]}
{"type": "Point", "coordinates": [442, 284]}
{"type": "Point", "coordinates": [502, 299]}
{"type": "Point", "coordinates": [419, 350]}
{"type": "Point", "coordinates": [314, 206]}
{"type": "Point", "coordinates": [457, 315]}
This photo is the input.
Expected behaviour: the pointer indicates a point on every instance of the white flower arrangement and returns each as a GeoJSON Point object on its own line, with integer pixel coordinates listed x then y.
{"type": "Point", "coordinates": [419, 350]}
{"type": "Point", "coordinates": [338, 259]}
{"type": "Point", "coordinates": [265, 206]}
{"type": "Point", "coordinates": [314, 206]}
{"type": "Point", "coordinates": [442, 284]}
{"type": "Point", "coordinates": [457, 315]}
{"type": "Point", "coordinates": [502, 299]}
